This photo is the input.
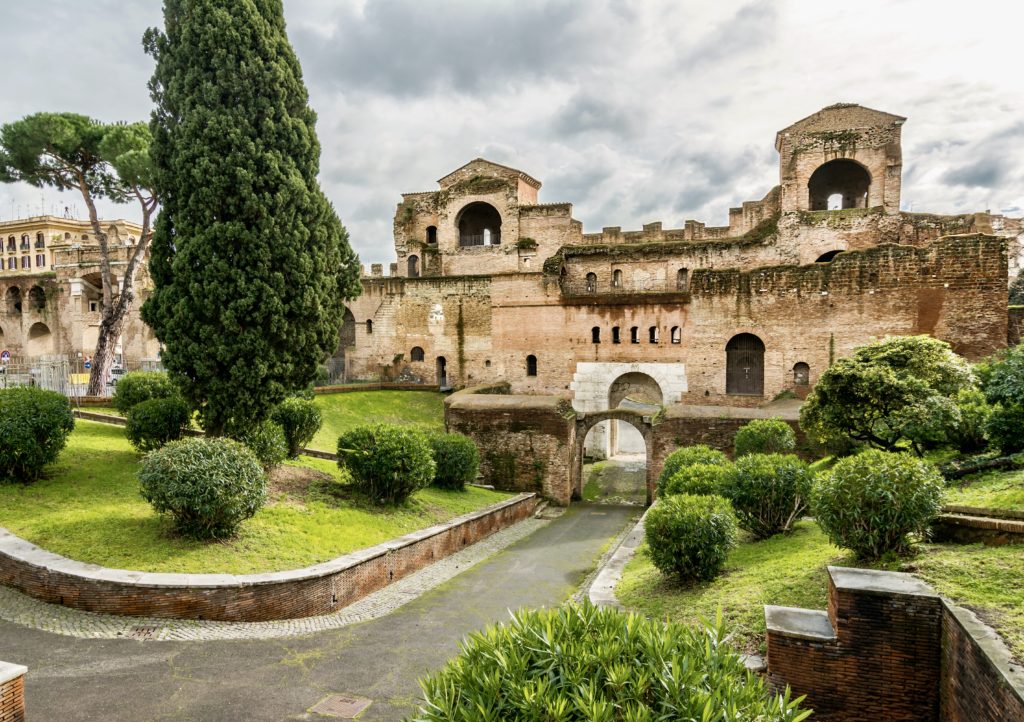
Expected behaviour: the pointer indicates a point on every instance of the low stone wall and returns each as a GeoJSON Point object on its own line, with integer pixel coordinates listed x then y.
{"type": "Point", "coordinates": [967, 525]}
{"type": "Point", "coordinates": [319, 589]}
{"type": "Point", "coordinates": [12, 692]}
{"type": "Point", "coordinates": [889, 648]}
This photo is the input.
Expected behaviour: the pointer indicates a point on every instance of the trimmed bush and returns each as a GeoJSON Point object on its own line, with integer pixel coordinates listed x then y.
{"type": "Point", "coordinates": [687, 455]}
{"type": "Point", "coordinates": [765, 436]}
{"type": "Point", "coordinates": [576, 662]}
{"type": "Point", "coordinates": [769, 492]}
{"type": "Point", "coordinates": [207, 485]}
{"type": "Point", "coordinates": [138, 386]}
{"type": "Point", "coordinates": [690, 536]}
{"type": "Point", "coordinates": [456, 459]}
{"type": "Point", "coordinates": [153, 423]}
{"type": "Point", "coordinates": [871, 502]}
{"type": "Point", "coordinates": [267, 442]}
{"type": "Point", "coordinates": [34, 427]}
{"type": "Point", "coordinates": [697, 479]}
{"type": "Point", "coordinates": [300, 419]}
{"type": "Point", "coordinates": [387, 462]}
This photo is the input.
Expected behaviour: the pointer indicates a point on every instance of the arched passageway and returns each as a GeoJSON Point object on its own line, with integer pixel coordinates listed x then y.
{"type": "Point", "coordinates": [628, 480]}
{"type": "Point", "coordinates": [839, 184]}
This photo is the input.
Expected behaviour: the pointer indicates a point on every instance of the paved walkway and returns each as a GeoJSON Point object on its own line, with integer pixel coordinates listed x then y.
{"type": "Point", "coordinates": [280, 679]}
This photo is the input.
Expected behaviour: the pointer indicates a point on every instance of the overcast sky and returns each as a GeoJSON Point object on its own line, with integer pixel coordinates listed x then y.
{"type": "Point", "coordinates": [634, 111]}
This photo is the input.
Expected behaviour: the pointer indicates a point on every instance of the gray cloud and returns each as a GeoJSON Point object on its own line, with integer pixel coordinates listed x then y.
{"type": "Point", "coordinates": [747, 30]}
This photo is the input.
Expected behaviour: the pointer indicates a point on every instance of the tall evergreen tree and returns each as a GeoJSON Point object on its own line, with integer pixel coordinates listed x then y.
{"type": "Point", "coordinates": [250, 263]}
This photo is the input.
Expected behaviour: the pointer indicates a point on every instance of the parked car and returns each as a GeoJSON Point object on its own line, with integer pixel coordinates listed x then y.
{"type": "Point", "coordinates": [115, 375]}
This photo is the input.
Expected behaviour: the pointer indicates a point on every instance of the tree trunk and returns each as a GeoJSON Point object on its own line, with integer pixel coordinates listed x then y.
{"type": "Point", "coordinates": [103, 357]}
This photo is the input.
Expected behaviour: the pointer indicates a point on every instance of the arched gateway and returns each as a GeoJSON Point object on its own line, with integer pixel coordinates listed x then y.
{"type": "Point", "coordinates": [587, 421]}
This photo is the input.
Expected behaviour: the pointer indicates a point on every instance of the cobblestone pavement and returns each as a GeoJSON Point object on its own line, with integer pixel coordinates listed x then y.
{"type": "Point", "coordinates": [112, 679]}
{"type": "Point", "coordinates": [24, 610]}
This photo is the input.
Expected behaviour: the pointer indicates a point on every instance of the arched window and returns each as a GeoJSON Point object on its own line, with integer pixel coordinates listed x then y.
{"type": "Point", "coordinates": [801, 374]}
{"type": "Point", "coordinates": [677, 336]}
{"type": "Point", "coordinates": [67, 236]}
{"type": "Point", "coordinates": [414, 266]}
{"type": "Point", "coordinates": [25, 245]}
{"type": "Point", "coordinates": [442, 372]}
{"type": "Point", "coordinates": [416, 354]}
{"type": "Point", "coordinates": [12, 243]}
{"type": "Point", "coordinates": [85, 236]}
{"type": "Point", "coordinates": [369, 326]}
{"type": "Point", "coordinates": [634, 334]}
{"type": "Point", "coordinates": [617, 278]}
{"type": "Point", "coordinates": [431, 234]}
{"type": "Point", "coordinates": [827, 257]}
{"type": "Point", "coordinates": [479, 225]}
{"type": "Point", "coordinates": [531, 365]}
{"type": "Point", "coordinates": [595, 334]}
{"type": "Point", "coordinates": [652, 334]}
{"type": "Point", "coordinates": [13, 299]}
{"type": "Point", "coordinates": [744, 365]}
{"type": "Point", "coordinates": [40, 241]}
{"type": "Point", "coordinates": [683, 280]}
{"type": "Point", "coordinates": [843, 183]}
{"type": "Point", "coordinates": [615, 335]}
{"type": "Point", "coordinates": [37, 298]}
{"type": "Point", "coordinates": [591, 282]}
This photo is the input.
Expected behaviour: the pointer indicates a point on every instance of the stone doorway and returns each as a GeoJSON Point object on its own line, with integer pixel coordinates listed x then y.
{"type": "Point", "coordinates": [626, 478]}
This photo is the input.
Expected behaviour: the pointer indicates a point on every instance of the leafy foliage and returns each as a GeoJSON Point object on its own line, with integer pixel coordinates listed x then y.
{"type": "Point", "coordinates": [387, 462]}
{"type": "Point", "coordinates": [699, 479]}
{"type": "Point", "coordinates": [578, 662]}
{"type": "Point", "coordinates": [250, 263]}
{"type": "Point", "coordinates": [34, 427]}
{"type": "Point", "coordinates": [456, 458]}
{"type": "Point", "coordinates": [138, 386]}
{"type": "Point", "coordinates": [969, 434]}
{"type": "Point", "coordinates": [1004, 388]}
{"type": "Point", "coordinates": [765, 436]}
{"type": "Point", "coordinates": [892, 391]}
{"type": "Point", "coordinates": [154, 422]}
{"type": "Point", "coordinates": [266, 440]}
{"type": "Point", "coordinates": [690, 536]}
{"type": "Point", "coordinates": [300, 419]}
{"type": "Point", "coordinates": [208, 485]}
{"type": "Point", "coordinates": [769, 492]}
{"type": "Point", "coordinates": [871, 502]}
{"type": "Point", "coordinates": [1017, 291]}
{"type": "Point", "coordinates": [687, 455]}
{"type": "Point", "coordinates": [1005, 428]}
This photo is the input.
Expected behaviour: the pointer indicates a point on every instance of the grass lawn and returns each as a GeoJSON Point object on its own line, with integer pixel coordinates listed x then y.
{"type": "Point", "coordinates": [88, 508]}
{"type": "Point", "coordinates": [993, 490]}
{"type": "Point", "coordinates": [343, 411]}
{"type": "Point", "coordinates": [790, 571]}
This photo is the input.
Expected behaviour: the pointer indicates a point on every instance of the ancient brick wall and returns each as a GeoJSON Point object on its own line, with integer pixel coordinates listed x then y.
{"type": "Point", "coordinates": [12, 692]}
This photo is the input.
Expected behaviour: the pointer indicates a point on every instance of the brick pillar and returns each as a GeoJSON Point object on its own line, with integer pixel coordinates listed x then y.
{"type": "Point", "coordinates": [12, 692]}
{"type": "Point", "coordinates": [874, 656]}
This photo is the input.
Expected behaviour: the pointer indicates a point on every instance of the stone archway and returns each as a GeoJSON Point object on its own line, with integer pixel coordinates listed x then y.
{"type": "Point", "coordinates": [635, 418]}
{"type": "Point", "coordinates": [634, 389]}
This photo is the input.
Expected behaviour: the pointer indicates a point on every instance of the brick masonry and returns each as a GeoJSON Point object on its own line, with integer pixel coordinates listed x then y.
{"type": "Point", "coordinates": [889, 648]}
{"type": "Point", "coordinates": [316, 590]}
{"type": "Point", "coordinates": [12, 692]}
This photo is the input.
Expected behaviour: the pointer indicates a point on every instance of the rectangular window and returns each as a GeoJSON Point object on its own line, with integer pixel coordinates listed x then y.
{"type": "Point", "coordinates": [26, 262]}
{"type": "Point", "coordinates": [94, 306]}
{"type": "Point", "coordinates": [615, 334]}
{"type": "Point", "coordinates": [40, 259]}
{"type": "Point", "coordinates": [12, 263]}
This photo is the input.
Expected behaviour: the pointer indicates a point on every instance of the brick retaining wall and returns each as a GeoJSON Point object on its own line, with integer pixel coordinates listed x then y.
{"type": "Point", "coordinates": [319, 589]}
{"type": "Point", "coordinates": [889, 648]}
{"type": "Point", "coordinates": [12, 692]}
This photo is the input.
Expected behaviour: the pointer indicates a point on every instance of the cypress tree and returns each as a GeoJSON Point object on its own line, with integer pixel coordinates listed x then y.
{"type": "Point", "coordinates": [250, 264]}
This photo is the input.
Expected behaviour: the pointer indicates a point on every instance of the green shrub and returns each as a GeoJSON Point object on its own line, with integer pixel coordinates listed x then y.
{"type": "Point", "coordinates": [267, 442]}
{"type": "Point", "coordinates": [387, 462]}
{"type": "Point", "coordinates": [697, 479]}
{"type": "Point", "coordinates": [690, 536]}
{"type": "Point", "coordinates": [456, 459]}
{"type": "Point", "coordinates": [769, 492]}
{"type": "Point", "coordinates": [968, 430]}
{"type": "Point", "coordinates": [1005, 428]}
{"type": "Point", "coordinates": [576, 662]}
{"type": "Point", "coordinates": [34, 427]}
{"type": "Point", "coordinates": [153, 423]}
{"type": "Point", "coordinates": [138, 386]}
{"type": "Point", "coordinates": [207, 485]}
{"type": "Point", "coordinates": [300, 419]}
{"type": "Point", "coordinates": [765, 436]}
{"type": "Point", "coordinates": [871, 502]}
{"type": "Point", "coordinates": [687, 455]}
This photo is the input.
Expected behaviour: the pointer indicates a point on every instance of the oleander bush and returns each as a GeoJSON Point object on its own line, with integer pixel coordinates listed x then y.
{"type": "Point", "coordinates": [576, 663]}
{"type": "Point", "coordinates": [456, 460]}
{"type": "Point", "coordinates": [300, 419]}
{"type": "Point", "coordinates": [697, 479]}
{"type": "Point", "coordinates": [266, 440]}
{"type": "Point", "coordinates": [154, 422]}
{"type": "Point", "coordinates": [872, 502]}
{"type": "Point", "coordinates": [138, 386]}
{"type": "Point", "coordinates": [208, 486]}
{"type": "Point", "coordinates": [687, 455]}
{"type": "Point", "coordinates": [34, 427]}
{"type": "Point", "coordinates": [690, 536]}
{"type": "Point", "coordinates": [769, 492]}
{"type": "Point", "coordinates": [765, 436]}
{"type": "Point", "coordinates": [387, 462]}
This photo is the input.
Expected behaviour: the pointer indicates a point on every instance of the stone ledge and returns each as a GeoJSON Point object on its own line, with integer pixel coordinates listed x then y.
{"type": "Point", "coordinates": [869, 581]}
{"type": "Point", "coordinates": [988, 641]}
{"type": "Point", "coordinates": [983, 512]}
{"type": "Point", "coordinates": [10, 671]}
{"type": "Point", "coordinates": [809, 624]}
{"type": "Point", "coordinates": [1012, 526]}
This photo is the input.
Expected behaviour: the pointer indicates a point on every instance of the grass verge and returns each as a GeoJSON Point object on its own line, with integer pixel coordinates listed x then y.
{"type": "Point", "coordinates": [992, 490]}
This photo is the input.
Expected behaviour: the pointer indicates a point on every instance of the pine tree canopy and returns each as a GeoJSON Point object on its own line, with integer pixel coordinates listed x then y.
{"type": "Point", "coordinates": [250, 263]}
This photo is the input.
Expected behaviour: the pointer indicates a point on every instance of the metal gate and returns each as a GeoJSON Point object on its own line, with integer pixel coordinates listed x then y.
{"type": "Point", "coordinates": [744, 366]}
